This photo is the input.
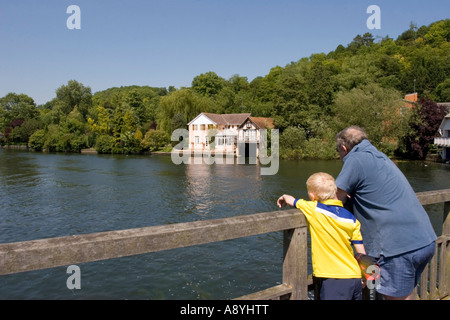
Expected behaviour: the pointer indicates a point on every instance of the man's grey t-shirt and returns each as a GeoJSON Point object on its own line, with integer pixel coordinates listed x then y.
{"type": "Point", "coordinates": [392, 219]}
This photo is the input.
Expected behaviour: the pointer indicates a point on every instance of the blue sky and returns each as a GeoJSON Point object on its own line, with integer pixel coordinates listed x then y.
{"type": "Point", "coordinates": [168, 43]}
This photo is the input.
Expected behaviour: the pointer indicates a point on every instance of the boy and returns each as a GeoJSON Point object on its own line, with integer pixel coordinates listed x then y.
{"type": "Point", "coordinates": [333, 230]}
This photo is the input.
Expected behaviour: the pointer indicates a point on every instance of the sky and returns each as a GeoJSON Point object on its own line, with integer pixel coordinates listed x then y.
{"type": "Point", "coordinates": [169, 42]}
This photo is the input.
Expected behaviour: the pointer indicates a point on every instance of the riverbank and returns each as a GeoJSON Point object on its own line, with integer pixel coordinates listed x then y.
{"type": "Point", "coordinates": [91, 151]}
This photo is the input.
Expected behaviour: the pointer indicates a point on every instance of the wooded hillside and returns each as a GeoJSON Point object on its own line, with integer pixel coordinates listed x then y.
{"type": "Point", "coordinates": [362, 83]}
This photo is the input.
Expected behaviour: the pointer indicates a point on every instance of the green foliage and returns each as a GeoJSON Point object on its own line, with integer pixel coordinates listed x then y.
{"type": "Point", "coordinates": [292, 142]}
{"type": "Point", "coordinates": [155, 140]}
{"type": "Point", "coordinates": [37, 140]}
{"type": "Point", "coordinates": [180, 107]}
{"type": "Point", "coordinates": [208, 84]}
{"type": "Point", "coordinates": [104, 144]}
{"type": "Point", "coordinates": [361, 83]}
{"type": "Point", "coordinates": [371, 107]}
{"type": "Point", "coordinates": [73, 95]}
{"type": "Point", "coordinates": [426, 119]}
{"type": "Point", "coordinates": [18, 118]}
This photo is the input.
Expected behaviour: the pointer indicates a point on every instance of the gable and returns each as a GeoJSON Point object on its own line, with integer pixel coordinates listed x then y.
{"type": "Point", "coordinates": [202, 119]}
{"type": "Point", "coordinates": [259, 122]}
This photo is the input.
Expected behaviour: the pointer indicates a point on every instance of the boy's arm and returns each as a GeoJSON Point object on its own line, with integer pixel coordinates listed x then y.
{"type": "Point", "coordinates": [285, 199]}
{"type": "Point", "coordinates": [359, 248]}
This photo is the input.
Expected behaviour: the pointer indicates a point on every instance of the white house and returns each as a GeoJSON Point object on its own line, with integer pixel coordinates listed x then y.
{"type": "Point", "coordinates": [225, 132]}
{"type": "Point", "coordinates": [444, 140]}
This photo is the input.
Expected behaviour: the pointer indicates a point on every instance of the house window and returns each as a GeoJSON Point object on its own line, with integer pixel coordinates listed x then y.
{"type": "Point", "coordinates": [195, 127]}
{"type": "Point", "coordinates": [252, 135]}
{"type": "Point", "coordinates": [196, 140]}
{"type": "Point", "coordinates": [202, 127]}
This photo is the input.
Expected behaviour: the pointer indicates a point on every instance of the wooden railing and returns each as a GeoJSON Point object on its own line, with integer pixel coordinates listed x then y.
{"type": "Point", "coordinates": [435, 280]}
{"type": "Point", "coordinates": [62, 251]}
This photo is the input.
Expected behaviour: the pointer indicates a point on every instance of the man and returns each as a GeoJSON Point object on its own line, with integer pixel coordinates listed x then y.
{"type": "Point", "coordinates": [396, 229]}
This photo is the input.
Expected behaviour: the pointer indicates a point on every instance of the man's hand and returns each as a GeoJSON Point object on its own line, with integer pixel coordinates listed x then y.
{"type": "Point", "coordinates": [369, 266]}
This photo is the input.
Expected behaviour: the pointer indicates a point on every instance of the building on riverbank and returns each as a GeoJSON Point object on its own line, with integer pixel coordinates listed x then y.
{"type": "Point", "coordinates": [239, 133]}
{"type": "Point", "coordinates": [444, 140]}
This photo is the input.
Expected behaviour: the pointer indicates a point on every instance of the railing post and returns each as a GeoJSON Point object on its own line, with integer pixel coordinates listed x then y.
{"type": "Point", "coordinates": [446, 232]}
{"type": "Point", "coordinates": [295, 263]}
{"type": "Point", "coordinates": [446, 219]}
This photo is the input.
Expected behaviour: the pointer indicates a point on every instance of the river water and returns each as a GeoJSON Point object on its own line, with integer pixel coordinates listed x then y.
{"type": "Point", "coordinates": [46, 195]}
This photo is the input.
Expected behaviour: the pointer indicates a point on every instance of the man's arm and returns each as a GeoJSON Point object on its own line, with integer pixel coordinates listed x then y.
{"type": "Point", "coordinates": [342, 195]}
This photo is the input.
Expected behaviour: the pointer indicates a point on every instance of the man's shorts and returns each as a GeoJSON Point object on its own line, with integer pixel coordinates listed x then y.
{"type": "Point", "coordinates": [400, 274]}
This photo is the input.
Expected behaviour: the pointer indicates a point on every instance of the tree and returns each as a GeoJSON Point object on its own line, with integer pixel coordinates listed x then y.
{"type": "Point", "coordinates": [442, 91]}
{"type": "Point", "coordinates": [319, 78]}
{"type": "Point", "coordinates": [438, 33]}
{"type": "Point", "coordinates": [180, 107]}
{"type": "Point", "coordinates": [290, 99]}
{"type": "Point", "coordinates": [208, 84]}
{"type": "Point", "coordinates": [102, 124]}
{"type": "Point", "coordinates": [15, 110]}
{"type": "Point", "coordinates": [376, 109]}
{"type": "Point", "coordinates": [72, 95]}
{"type": "Point", "coordinates": [424, 125]}
{"type": "Point", "coordinates": [155, 140]}
{"type": "Point", "coordinates": [22, 132]}
{"type": "Point", "coordinates": [292, 141]}
{"type": "Point", "coordinates": [364, 41]}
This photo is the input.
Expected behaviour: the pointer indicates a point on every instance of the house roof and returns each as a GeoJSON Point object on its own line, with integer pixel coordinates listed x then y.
{"type": "Point", "coordinates": [226, 119]}
{"type": "Point", "coordinates": [237, 119]}
{"type": "Point", "coordinates": [263, 123]}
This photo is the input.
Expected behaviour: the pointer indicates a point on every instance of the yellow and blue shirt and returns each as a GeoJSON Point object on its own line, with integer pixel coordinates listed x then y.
{"type": "Point", "coordinates": [333, 230]}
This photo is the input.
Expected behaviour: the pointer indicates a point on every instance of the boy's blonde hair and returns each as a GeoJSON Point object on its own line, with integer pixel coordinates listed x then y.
{"type": "Point", "coordinates": [322, 185]}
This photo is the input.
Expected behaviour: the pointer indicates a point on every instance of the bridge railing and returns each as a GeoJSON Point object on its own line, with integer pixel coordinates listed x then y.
{"type": "Point", "coordinates": [63, 251]}
{"type": "Point", "coordinates": [435, 280]}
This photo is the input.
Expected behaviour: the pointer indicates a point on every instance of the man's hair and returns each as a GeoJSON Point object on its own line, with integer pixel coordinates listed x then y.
{"type": "Point", "coordinates": [322, 185]}
{"type": "Point", "coordinates": [350, 137]}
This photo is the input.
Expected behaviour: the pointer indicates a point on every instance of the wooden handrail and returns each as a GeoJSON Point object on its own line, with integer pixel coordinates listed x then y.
{"type": "Point", "coordinates": [62, 251]}
{"type": "Point", "coordinates": [433, 197]}
{"type": "Point", "coordinates": [48, 253]}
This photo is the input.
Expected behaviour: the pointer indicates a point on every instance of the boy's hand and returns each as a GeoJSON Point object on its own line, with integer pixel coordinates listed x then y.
{"type": "Point", "coordinates": [285, 200]}
{"type": "Point", "coordinates": [281, 202]}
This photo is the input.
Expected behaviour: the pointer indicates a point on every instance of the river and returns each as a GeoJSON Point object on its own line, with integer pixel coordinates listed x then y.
{"type": "Point", "coordinates": [46, 195]}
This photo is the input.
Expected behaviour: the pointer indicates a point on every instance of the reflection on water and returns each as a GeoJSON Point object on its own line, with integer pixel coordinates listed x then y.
{"type": "Point", "coordinates": [218, 190]}
{"type": "Point", "coordinates": [50, 195]}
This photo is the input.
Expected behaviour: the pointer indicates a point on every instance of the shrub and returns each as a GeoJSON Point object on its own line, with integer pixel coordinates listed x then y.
{"type": "Point", "coordinates": [104, 143]}
{"type": "Point", "coordinates": [155, 140]}
{"type": "Point", "coordinates": [37, 140]}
